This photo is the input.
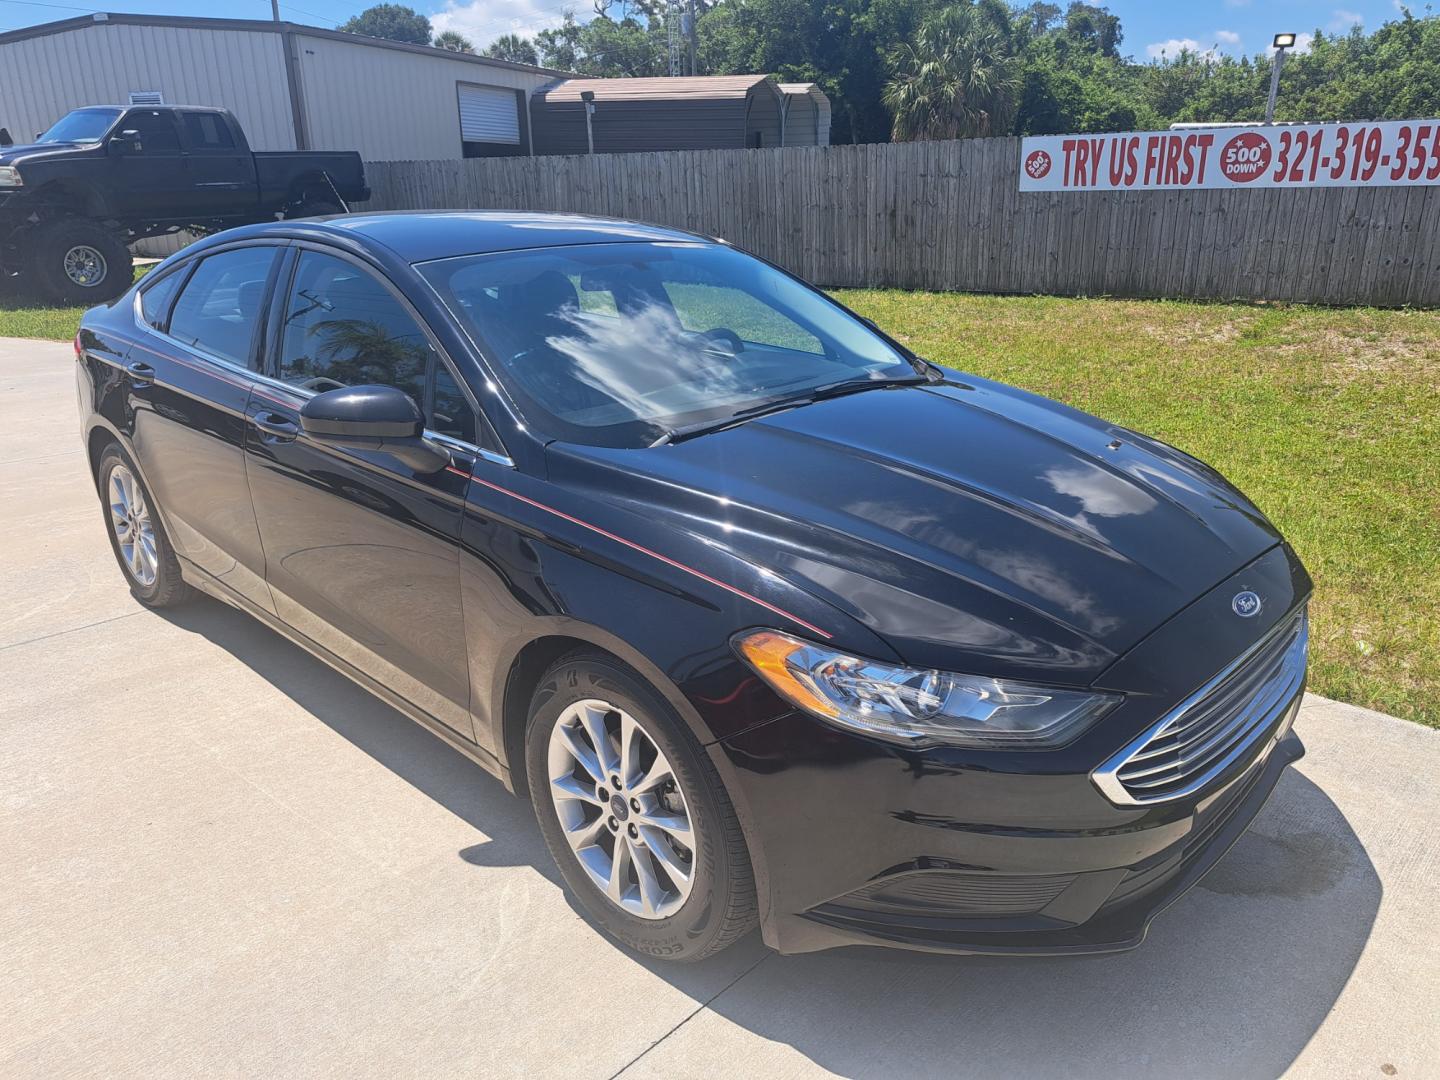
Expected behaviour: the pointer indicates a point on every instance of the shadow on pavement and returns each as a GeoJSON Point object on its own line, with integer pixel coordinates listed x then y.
{"type": "Point", "coordinates": [1233, 981]}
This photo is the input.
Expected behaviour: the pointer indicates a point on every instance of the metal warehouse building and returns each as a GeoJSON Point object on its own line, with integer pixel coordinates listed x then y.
{"type": "Point", "coordinates": [708, 112]}
{"type": "Point", "coordinates": [293, 87]}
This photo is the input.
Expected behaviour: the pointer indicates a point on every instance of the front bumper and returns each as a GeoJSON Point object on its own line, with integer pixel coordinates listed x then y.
{"type": "Point", "coordinates": [857, 841]}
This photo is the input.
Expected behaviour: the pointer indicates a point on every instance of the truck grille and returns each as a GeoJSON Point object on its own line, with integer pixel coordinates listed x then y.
{"type": "Point", "coordinates": [1215, 726]}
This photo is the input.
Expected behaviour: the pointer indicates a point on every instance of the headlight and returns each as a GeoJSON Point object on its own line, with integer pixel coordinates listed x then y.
{"type": "Point", "coordinates": [10, 176]}
{"type": "Point", "coordinates": [919, 708]}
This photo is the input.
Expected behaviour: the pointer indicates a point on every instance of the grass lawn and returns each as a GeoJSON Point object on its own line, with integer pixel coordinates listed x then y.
{"type": "Point", "coordinates": [1328, 418]}
{"type": "Point", "coordinates": [23, 316]}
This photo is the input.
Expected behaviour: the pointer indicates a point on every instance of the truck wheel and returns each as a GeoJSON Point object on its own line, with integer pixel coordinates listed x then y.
{"type": "Point", "coordinates": [76, 261]}
{"type": "Point", "coordinates": [312, 208]}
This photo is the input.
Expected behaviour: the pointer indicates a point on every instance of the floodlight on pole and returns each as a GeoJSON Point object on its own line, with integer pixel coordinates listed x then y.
{"type": "Point", "coordinates": [588, 97]}
{"type": "Point", "coordinates": [1280, 43]}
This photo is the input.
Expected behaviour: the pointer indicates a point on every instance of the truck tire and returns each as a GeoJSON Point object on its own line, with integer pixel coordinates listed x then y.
{"type": "Point", "coordinates": [77, 261]}
{"type": "Point", "coordinates": [312, 208]}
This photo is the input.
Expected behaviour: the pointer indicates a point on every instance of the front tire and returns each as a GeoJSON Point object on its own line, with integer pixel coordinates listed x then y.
{"type": "Point", "coordinates": [137, 537]}
{"type": "Point", "coordinates": [634, 813]}
{"type": "Point", "coordinates": [76, 261]}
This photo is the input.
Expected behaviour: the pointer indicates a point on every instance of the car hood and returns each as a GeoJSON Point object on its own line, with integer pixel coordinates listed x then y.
{"type": "Point", "coordinates": [11, 155]}
{"type": "Point", "coordinates": [973, 526]}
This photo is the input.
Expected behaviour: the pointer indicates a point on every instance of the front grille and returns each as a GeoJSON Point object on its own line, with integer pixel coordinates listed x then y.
{"type": "Point", "coordinates": [1215, 726]}
{"type": "Point", "coordinates": [958, 894]}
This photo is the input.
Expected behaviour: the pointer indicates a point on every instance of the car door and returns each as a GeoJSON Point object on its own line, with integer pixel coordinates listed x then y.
{"type": "Point", "coordinates": [150, 170]}
{"type": "Point", "coordinates": [191, 371]}
{"type": "Point", "coordinates": [360, 550]}
{"type": "Point", "coordinates": [221, 173]}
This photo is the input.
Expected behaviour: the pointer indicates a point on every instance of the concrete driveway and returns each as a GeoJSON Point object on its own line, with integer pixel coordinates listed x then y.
{"type": "Point", "coordinates": [221, 858]}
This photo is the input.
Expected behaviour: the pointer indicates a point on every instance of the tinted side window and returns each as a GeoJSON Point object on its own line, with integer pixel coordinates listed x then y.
{"type": "Point", "coordinates": [155, 129]}
{"type": "Point", "coordinates": [220, 306]}
{"type": "Point", "coordinates": [155, 300]}
{"type": "Point", "coordinates": [207, 131]}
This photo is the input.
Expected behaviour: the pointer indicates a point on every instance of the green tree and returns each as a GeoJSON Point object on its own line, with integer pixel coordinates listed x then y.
{"type": "Point", "coordinates": [453, 41]}
{"type": "Point", "coordinates": [514, 48]}
{"type": "Point", "coordinates": [959, 79]}
{"type": "Point", "coordinates": [394, 21]}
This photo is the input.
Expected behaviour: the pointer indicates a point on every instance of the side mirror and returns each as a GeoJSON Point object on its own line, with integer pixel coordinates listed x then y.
{"type": "Point", "coordinates": [5, 139]}
{"type": "Point", "coordinates": [374, 418]}
{"type": "Point", "coordinates": [127, 142]}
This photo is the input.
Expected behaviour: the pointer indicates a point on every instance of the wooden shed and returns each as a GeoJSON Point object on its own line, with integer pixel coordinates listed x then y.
{"type": "Point", "coordinates": [712, 112]}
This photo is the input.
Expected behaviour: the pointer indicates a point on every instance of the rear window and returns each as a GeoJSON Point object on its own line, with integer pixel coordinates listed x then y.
{"type": "Point", "coordinates": [207, 131]}
{"type": "Point", "coordinates": [219, 308]}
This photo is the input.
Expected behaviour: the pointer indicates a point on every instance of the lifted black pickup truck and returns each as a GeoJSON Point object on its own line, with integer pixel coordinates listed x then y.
{"type": "Point", "coordinates": [105, 176]}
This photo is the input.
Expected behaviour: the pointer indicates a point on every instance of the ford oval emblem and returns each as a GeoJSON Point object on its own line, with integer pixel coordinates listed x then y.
{"type": "Point", "coordinates": [1246, 604]}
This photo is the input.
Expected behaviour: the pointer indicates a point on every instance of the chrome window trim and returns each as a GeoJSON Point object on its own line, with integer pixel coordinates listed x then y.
{"type": "Point", "coordinates": [303, 393]}
{"type": "Point", "coordinates": [1279, 692]}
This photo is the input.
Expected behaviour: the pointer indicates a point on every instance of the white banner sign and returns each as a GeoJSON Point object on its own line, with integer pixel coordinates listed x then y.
{"type": "Point", "coordinates": [1384, 154]}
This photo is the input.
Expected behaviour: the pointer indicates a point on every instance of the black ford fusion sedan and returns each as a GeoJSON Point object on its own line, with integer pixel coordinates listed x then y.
{"type": "Point", "coordinates": [773, 621]}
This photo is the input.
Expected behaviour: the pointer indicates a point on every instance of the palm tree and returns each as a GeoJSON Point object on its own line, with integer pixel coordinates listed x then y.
{"type": "Point", "coordinates": [453, 41]}
{"type": "Point", "coordinates": [513, 47]}
{"type": "Point", "coordinates": [958, 79]}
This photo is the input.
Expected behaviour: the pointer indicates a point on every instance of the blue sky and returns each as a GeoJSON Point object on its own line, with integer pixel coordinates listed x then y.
{"type": "Point", "coordinates": [1230, 26]}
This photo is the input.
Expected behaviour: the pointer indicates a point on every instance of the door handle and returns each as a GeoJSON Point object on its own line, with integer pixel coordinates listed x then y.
{"type": "Point", "coordinates": [143, 374]}
{"type": "Point", "coordinates": [276, 426]}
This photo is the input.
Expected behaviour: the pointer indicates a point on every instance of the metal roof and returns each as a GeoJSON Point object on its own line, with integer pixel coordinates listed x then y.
{"type": "Point", "coordinates": [100, 18]}
{"type": "Point", "coordinates": [680, 88]}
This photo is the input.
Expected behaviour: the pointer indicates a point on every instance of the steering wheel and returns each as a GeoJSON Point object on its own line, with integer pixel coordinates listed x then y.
{"type": "Point", "coordinates": [726, 335]}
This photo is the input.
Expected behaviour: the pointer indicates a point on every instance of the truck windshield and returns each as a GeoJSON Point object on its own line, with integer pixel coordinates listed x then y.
{"type": "Point", "coordinates": [82, 125]}
{"type": "Point", "coordinates": [625, 344]}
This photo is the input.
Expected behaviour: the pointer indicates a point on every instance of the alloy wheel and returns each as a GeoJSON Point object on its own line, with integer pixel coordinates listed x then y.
{"type": "Point", "coordinates": [621, 808]}
{"type": "Point", "coordinates": [134, 531]}
{"type": "Point", "coordinates": [85, 266]}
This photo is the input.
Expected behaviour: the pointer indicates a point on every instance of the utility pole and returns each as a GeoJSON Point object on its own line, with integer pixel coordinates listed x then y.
{"type": "Point", "coordinates": [690, 32]}
{"type": "Point", "coordinates": [275, 10]}
{"type": "Point", "coordinates": [1280, 44]}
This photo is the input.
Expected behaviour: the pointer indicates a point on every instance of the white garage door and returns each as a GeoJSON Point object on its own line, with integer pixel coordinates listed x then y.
{"type": "Point", "coordinates": [489, 114]}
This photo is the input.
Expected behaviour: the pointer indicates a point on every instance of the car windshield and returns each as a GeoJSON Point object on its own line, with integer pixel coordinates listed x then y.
{"type": "Point", "coordinates": [622, 344]}
{"type": "Point", "coordinates": [82, 125]}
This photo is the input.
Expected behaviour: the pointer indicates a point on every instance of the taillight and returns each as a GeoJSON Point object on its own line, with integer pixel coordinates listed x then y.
{"type": "Point", "coordinates": [79, 351]}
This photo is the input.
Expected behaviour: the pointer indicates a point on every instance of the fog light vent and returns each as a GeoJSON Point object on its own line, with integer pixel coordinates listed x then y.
{"type": "Point", "coordinates": [950, 892]}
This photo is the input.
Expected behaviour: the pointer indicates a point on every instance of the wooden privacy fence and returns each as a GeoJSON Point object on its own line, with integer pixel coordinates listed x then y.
{"type": "Point", "coordinates": [949, 215]}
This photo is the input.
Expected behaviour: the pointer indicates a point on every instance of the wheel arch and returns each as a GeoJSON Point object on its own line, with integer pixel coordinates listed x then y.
{"type": "Point", "coordinates": [73, 197]}
{"type": "Point", "coordinates": [519, 671]}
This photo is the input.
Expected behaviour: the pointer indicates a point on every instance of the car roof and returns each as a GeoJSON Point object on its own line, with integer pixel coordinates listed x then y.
{"type": "Point", "coordinates": [420, 237]}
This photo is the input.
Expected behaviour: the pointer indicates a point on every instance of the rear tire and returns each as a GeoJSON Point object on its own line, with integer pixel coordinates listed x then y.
{"type": "Point", "coordinates": [76, 261]}
{"type": "Point", "coordinates": [137, 537]}
{"type": "Point", "coordinates": [681, 886]}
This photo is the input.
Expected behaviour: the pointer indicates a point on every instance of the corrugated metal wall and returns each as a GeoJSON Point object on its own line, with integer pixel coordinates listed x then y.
{"type": "Point", "coordinates": [390, 104]}
{"type": "Point", "coordinates": [42, 78]}
{"type": "Point", "coordinates": [763, 117]}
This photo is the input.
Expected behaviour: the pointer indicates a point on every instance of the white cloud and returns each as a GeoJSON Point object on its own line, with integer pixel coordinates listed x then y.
{"type": "Point", "coordinates": [1174, 47]}
{"type": "Point", "coordinates": [482, 21]}
{"type": "Point", "coordinates": [1227, 37]}
{"type": "Point", "coordinates": [1344, 20]}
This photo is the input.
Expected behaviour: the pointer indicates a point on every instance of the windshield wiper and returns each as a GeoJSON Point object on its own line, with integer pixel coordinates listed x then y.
{"type": "Point", "coordinates": [820, 393]}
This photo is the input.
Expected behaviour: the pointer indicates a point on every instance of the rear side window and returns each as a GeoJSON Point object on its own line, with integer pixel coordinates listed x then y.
{"type": "Point", "coordinates": [155, 300]}
{"type": "Point", "coordinates": [344, 328]}
{"type": "Point", "coordinates": [219, 308]}
{"type": "Point", "coordinates": [207, 131]}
